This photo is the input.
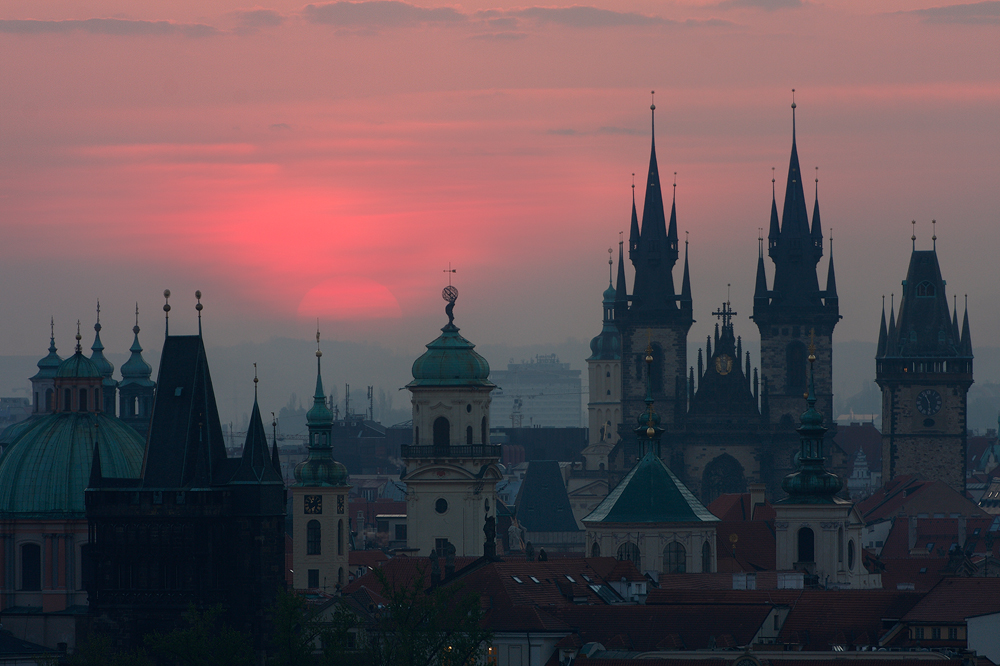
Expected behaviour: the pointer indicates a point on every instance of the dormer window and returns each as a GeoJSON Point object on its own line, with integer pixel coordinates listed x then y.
{"type": "Point", "coordinates": [925, 290]}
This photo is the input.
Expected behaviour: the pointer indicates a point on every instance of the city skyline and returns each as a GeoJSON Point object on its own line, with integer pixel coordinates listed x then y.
{"type": "Point", "coordinates": [331, 159]}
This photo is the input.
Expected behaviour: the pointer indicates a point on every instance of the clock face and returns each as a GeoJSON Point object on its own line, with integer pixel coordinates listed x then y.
{"type": "Point", "coordinates": [313, 503]}
{"type": "Point", "coordinates": [723, 364]}
{"type": "Point", "coordinates": [929, 402]}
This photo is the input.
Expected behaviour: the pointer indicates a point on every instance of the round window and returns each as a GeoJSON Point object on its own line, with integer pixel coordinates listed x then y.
{"type": "Point", "coordinates": [441, 505]}
{"type": "Point", "coordinates": [468, 408]}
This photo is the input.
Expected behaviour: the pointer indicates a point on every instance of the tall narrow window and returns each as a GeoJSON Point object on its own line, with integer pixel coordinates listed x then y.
{"type": "Point", "coordinates": [484, 432]}
{"type": "Point", "coordinates": [706, 558]}
{"type": "Point", "coordinates": [595, 550]}
{"type": "Point", "coordinates": [806, 545]}
{"type": "Point", "coordinates": [313, 575]}
{"type": "Point", "coordinates": [795, 367]}
{"type": "Point", "coordinates": [83, 400]}
{"type": "Point", "coordinates": [31, 567]}
{"type": "Point", "coordinates": [442, 432]}
{"type": "Point", "coordinates": [48, 400]}
{"type": "Point", "coordinates": [340, 537]}
{"type": "Point", "coordinates": [468, 435]}
{"type": "Point", "coordinates": [67, 399]}
{"type": "Point", "coordinates": [313, 538]}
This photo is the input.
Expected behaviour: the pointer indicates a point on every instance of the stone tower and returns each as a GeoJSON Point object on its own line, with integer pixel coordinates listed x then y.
{"type": "Point", "coordinates": [451, 467]}
{"type": "Point", "coordinates": [604, 365]}
{"type": "Point", "coordinates": [136, 390]}
{"type": "Point", "coordinates": [795, 307]}
{"type": "Point", "coordinates": [924, 368]}
{"type": "Point", "coordinates": [320, 527]}
{"type": "Point", "coordinates": [655, 315]}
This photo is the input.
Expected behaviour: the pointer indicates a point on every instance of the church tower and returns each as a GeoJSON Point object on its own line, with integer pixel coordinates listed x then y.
{"type": "Point", "coordinates": [136, 390]}
{"type": "Point", "coordinates": [795, 306]}
{"type": "Point", "coordinates": [451, 467]}
{"type": "Point", "coordinates": [109, 387]}
{"type": "Point", "coordinates": [924, 368]}
{"type": "Point", "coordinates": [319, 504]}
{"type": "Point", "coordinates": [604, 409]}
{"type": "Point", "coordinates": [43, 382]}
{"type": "Point", "coordinates": [657, 315]}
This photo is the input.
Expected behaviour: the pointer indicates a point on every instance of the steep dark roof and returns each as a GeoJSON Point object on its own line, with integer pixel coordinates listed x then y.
{"type": "Point", "coordinates": [542, 503]}
{"type": "Point", "coordinates": [186, 447]}
{"type": "Point", "coordinates": [650, 493]}
{"type": "Point", "coordinates": [255, 464]}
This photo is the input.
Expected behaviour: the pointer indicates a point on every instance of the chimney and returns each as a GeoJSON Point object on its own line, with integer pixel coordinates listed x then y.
{"type": "Point", "coordinates": [756, 497]}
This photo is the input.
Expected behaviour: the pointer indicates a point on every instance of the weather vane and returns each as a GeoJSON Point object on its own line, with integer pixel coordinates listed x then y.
{"type": "Point", "coordinates": [450, 294]}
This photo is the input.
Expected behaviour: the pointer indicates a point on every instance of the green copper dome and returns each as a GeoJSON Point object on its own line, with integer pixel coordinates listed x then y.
{"type": "Point", "coordinates": [135, 370]}
{"type": "Point", "coordinates": [46, 468]}
{"type": "Point", "coordinates": [320, 471]}
{"type": "Point", "coordinates": [48, 366]}
{"type": "Point", "coordinates": [78, 365]}
{"type": "Point", "coordinates": [104, 366]}
{"type": "Point", "coordinates": [450, 360]}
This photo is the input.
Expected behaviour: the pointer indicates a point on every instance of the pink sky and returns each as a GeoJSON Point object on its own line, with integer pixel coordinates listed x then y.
{"type": "Point", "coordinates": [330, 160]}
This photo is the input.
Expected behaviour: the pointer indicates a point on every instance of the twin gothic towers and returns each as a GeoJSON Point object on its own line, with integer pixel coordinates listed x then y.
{"type": "Point", "coordinates": [724, 428]}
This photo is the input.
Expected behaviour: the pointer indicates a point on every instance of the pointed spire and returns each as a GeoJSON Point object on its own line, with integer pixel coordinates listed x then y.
{"type": "Point", "coordinates": [966, 335]}
{"type": "Point", "coordinates": [891, 342]}
{"type": "Point", "coordinates": [275, 458]}
{"type": "Point", "coordinates": [633, 233]}
{"type": "Point", "coordinates": [817, 228]}
{"type": "Point", "coordinates": [831, 278]}
{"type": "Point", "coordinates": [794, 220]}
{"type": "Point", "coordinates": [105, 366]}
{"type": "Point", "coordinates": [672, 228]}
{"type": "Point", "coordinates": [135, 369]}
{"type": "Point", "coordinates": [621, 291]}
{"type": "Point", "coordinates": [95, 462]}
{"type": "Point", "coordinates": [686, 281]}
{"type": "Point", "coordinates": [882, 334]}
{"type": "Point", "coordinates": [319, 414]}
{"type": "Point", "coordinates": [760, 288]}
{"type": "Point", "coordinates": [774, 230]}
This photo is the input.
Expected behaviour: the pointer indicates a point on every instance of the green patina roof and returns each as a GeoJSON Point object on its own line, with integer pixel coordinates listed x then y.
{"type": "Point", "coordinates": [78, 365]}
{"type": "Point", "coordinates": [48, 366]}
{"type": "Point", "coordinates": [320, 470]}
{"type": "Point", "coordinates": [651, 493]}
{"type": "Point", "coordinates": [450, 360]}
{"type": "Point", "coordinates": [135, 370]}
{"type": "Point", "coordinates": [46, 468]}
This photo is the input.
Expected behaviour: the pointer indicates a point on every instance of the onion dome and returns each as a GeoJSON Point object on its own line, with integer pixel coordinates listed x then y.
{"type": "Point", "coordinates": [608, 345]}
{"type": "Point", "coordinates": [318, 472]}
{"type": "Point", "coordinates": [104, 366]}
{"type": "Point", "coordinates": [48, 366]}
{"type": "Point", "coordinates": [450, 360]}
{"type": "Point", "coordinates": [45, 470]}
{"type": "Point", "coordinates": [78, 365]}
{"type": "Point", "coordinates": [135, 370]}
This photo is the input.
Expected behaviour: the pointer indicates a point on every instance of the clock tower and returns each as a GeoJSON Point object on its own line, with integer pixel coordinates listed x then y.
{"type": "Point", "coordinates": [924, 368]}
{"type": "Point", "coordinates": [320, 526]}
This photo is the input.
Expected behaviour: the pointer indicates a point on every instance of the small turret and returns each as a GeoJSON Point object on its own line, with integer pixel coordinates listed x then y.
{"type": "Point", "coordinates": [882, 334]}
{"type": "Point", "coordinates": [966, 335]}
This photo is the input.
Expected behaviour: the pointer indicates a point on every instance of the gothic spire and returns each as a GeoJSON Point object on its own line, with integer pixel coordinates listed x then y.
{"type": "Point", "coordinates": [760, 289]}
{"type": "Point", "coordinates": [817, 228]}
{"type": "Point", "coordinates": [966, 335]}
{"type": "Point", "coordinates": [882, 334]}
{"type": "Point", "coordinates": [774, 229]}
{"type": "Point", "coordinates": [686, 282]}
{"type": "Point", "coordinates": [892, 347]}
{"type": "Point", "coordinates": [621, 291]}
{"type": "Point", "coordinates": [672, 228]}
{"type": "Point", "coordinates": [633, 233]}
{"type": "Point", "coordinates": [831, 278]}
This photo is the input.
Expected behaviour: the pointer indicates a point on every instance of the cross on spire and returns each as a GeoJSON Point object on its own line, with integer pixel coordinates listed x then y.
{"type": "Point", "coordinates": [725, 313]}
{"type": "Point", "coordinates": [449, 271]}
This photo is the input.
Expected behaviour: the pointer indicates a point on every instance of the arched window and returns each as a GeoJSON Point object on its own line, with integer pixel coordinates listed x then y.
{"type": "Point", "coordinates": [706, 558]}
{"type": "Point", "coordinates": [674, 558]}
{"type": "Point", "coordinates": [340, 576]}
{"type": "Point", "coordinates": [806, 545]}
{"type": "Point", "coordinates": [67, 400]}
{"type": "Point", "coordinates": [795, 367]}
{"type": "Point", "coordinates": [484, 432]}
{"type": "Point", "coordinates": [630, 551]}
{"type": "Point", "coordinates": [135, 407]}
{"type": "Point", "coordinates": [926, 290]}
{"type": "Point", "coordinates": [313, 538]}
{"type": "Point", "coordinates": [595, 550]}
{"type": "Point", "coordinates": [31, 567]}
{"type": "Point", "coordinates": [83, 400]}
{"type": "Point", "coordinates": [468, 435]}
{"type": "Point", "coordinates": [340, 537]}
{"type": "Point", "coordinates": [48, 400]}
{"type": "Point", "coordinates": [850, 555]}
{"type": "Point", "coordinates": [840, 546]}
{"type": "Point", "coordinates": [442, 432]}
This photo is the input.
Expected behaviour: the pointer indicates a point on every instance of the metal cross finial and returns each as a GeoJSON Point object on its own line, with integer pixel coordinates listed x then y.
{"type": "Point", "coordinates": [166, 309]}
{"type": "Point", "coordinates": [725, 313]}
{"type": "Point", "coordinates": [449, 271]}
{"type": "Point", "coordinates": [652, 100]}
{"type": "Point", "coordinates": [52, 327]}
{"type": "Point", "coordinates": [934, 237]}
{"type": "Point", "coordinates": [633, 184]}
{"type": "Point", "coordinates": [255, 382]}
{"type": "Point", "coordinates": [913, 236]}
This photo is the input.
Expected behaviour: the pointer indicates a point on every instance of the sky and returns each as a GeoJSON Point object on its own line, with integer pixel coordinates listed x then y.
{"type": "Point", "coordinates": [330, 160]}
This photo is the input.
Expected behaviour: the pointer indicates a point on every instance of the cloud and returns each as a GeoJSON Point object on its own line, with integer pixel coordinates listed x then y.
{"type": "Point", "coordinates": [580, 16]}
{"type": "Point", "coordinates": [766, 5]}
{"type": "Point", "coordinates": [260, 18]}
{"type": "Point", "coordinates": [975, 13]}
{"type": "Point", "coordinates": [106, 26]}
{"type": "Point", "coordinates": [505, 36]}
{"type": "Point", "coordinates": [379, 14]}
{"type": "Point", "coordinates": [277, 127]}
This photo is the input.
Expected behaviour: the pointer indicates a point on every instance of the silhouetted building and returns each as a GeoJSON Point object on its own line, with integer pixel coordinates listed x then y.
{"type": "Point", "coordinates": [195, 527]}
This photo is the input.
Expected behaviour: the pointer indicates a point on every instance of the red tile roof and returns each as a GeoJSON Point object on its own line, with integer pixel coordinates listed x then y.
{"type": "Point", "coordinates": [954, 599]}
{"type": "Point", "coordinates": [366, 558]}
{"type": "Point", "coordinates": [907, 495]}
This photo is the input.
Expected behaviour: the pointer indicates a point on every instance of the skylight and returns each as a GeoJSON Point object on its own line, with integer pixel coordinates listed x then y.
{"type": "Point", "coordinates": [518, 580]}
{"type": "Point", "coordinates": [569, 578]}
{"type": "Point", "coordinates": [535, 580]}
